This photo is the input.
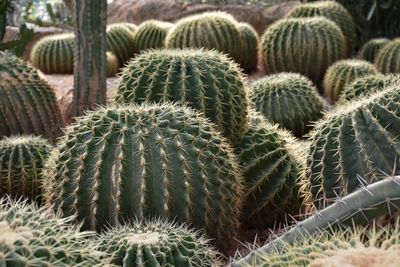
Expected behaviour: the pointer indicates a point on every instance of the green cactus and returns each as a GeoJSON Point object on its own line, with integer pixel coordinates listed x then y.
{"type": "Point", "coordinates": [211, 30]}
{"type": "Point", "coordinates": [366, 86]}
{"type": "Point", "coordinates": [151, 34]}
{"type": "Point", "coordinates": [54, 54]}
{"type": "Point", "coordinates": [130, 26]}
{"type": "Point", "coordinates": [371, 48]}
{"type": "Point", "coordinates": [30, 236]}
{"type": "Point", "coordinates": [147, 161]}
{"type": "Point", "coordinates": [112, 64]}
{"type": "Point", "coordinates": [205, 80]}
{"type": "Point", "coordinates": [121, 42]}
{"type": "Point", "coordinates": [288, 99]}
{"type": "Point", "coordinates": [28, 105]}
{"type": "Point", "coordinates": [333, 11]}
{"type": "Point", "coordinates": [388, 58]}
{"type": "Point", "coordinates": [359, 208]}
{"type": "Point", "coordinates": [357, 139]}
{"type": "Point", "coordinates": [250, 47]}
{"type": "Point", "coordinates": [317, 43]}
{"type": "Point", "coordinates": [142, 244]}
{"type": "Point", "coordinates": [343, 73]}
{"type": "Point", "coordinates": [21, 163]}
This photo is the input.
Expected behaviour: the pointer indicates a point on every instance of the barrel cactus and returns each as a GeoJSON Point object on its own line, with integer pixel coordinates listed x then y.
{"type": "Point", "coordinates": [367, 85]}
{"type": "Point", "coordinates": [151, 34]}
{"type": "Point", "coordinates": [142, 244]}
{"type": "Point", "coordinates": [343, 73]}
{"type": "Point", "coordinates": [371, 48]}
{"type": "Point", "coordinates": [319, 42]}
{"type": "Point", "coordinates": [112, 64]}
{"type": "Point", "coordinates": [288, 99]}
{"type": "Point", "coordinates": [388, 58]}
{"type": "Point", "coordinates": [28, 105]}
{"type": "Point", "coordinates": [30, 236]}
{"type": "Point", "coordinates": [54, 54]}
{"type": "Point", "coordinates": [149, 161]}
{"type": "Point", "coordinates": [130, 26]}
{"type": "Point", "coordinates": [205, 80]}
{"type": "Point", "coordinates": [249, 58]}
{"type": "Point", "coordinates": [211, 30]}
{"type": "Point", "coordinates": [120, 41]}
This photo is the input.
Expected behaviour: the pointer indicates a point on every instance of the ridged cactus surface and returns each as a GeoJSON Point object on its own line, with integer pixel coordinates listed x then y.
{"type": "Point", "coordinates": [343, 73]}
{"type": "Point", "coordinates": [211, 30]}
{"type": "Point", "coordinates": [157, 243]}
{"type": "Point", "coordinates": [305, 45]}
{"type": "Point", "coordinates": [21, 164]}
{"type": "Point", "coordinates": [28, 105]}
{"type": "Point", "coordinates": [151, 35]}
{"type": "Point", "coordinates": [388, 58]}
{"type": "Point", "coordinates": [149, 161]}
{"type": "Point", "coordinates": [205, 80]}
{"type": "Point", "coordinates": [54, 54]}
{"type": "Point", "coordinates": [250, 47]}
{"type": "Point", "coordinates": [120, 41]}
{"type": "Point", "coordinates": [112, 64]}
{"type": "Point", "coordinates": [130, 26]}
{"type": "Point", "coordinates": [371, 48]}
{"type": "Point", "coordinates": [288, 99]}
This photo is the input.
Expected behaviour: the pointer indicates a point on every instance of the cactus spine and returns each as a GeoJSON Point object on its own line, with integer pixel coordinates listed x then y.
{"type": "Point", "coordinates": [151, 35]}
{"type": "Point", "coordinates": [388, 57]}
{"type": "Point", "coordinates": [120, 41]}
{"type": "Point", "coordinates": [250, 47]}
{"type": "Point", "coordinates": [371, 48]}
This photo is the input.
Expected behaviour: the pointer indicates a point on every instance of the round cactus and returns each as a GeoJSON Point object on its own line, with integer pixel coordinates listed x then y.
{"type": "Point", "coordinates": [318, 43]}
{"type": "Point", "coordinates": [21, 163]}
{"type": "Point", "coordinates": [151, 34]}
{"type": "Point", "coordinates": [356, 140]}
{"type": "Point", "coordinates": [54, 54]}
{"type": "Point", "coordinates": [112, 64]}
{"type": "Point", "coordinates": [205, 80]}
{"type": "Point", "coordinates": [211, 30]}
{"type": "Point", "coordinates": [142, 244]}
{"type": "Point", "coordinates": [367, 85]}
{"type": "Point", "coordinates": [371, 48]}
{"type": "Point", "coordinates": [120, 41]}
{"type": "Point", "coordinates": [388, 58]}
{"type": "Point", "coordinates": [130, 26]}
{"type": "Point", "coordinates": [30, 236]}
{"type": "Point", "coordinates": [343, 73]}
{"type": "Point", "coordinates": [249, 58]}
{"type": "Point", "coordinates": [28, 105]}
{"type": "Point", "coordinates": [333, 11]}
{"type": "Point", "coordinates": [147, 161]}
{"type": "Point", "coordinates": [288, 99]}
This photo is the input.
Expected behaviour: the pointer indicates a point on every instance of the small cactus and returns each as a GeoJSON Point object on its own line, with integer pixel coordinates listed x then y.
{"type": "Point", "coordinates": [120, 41]}
{"type": "Point", "coordinates": [250, 47]}
{"type": "Point", "coordinates": [319, 42]}
{"type": "Point", "coordinates": [112, 64]}
{"type": "Point", "coordinates": [343, 73]}
{"type": "Point", "coordinates": [151, 34]}
{"type": "Point", "coordinates": [142, 244]}
{"type": "Point", "coordinates": [288, 99]}
{"type": "Point", "coordinates": [205, 80]}
{"type": "Point", "coordinates": [388, 58]}
{"type": "Point", "coordinates": [371, 48]}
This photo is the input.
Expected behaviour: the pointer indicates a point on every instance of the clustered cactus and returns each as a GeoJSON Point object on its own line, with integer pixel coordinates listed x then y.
{"type": "Point", "coordinates": [371, 48]}
{"type": "Point", "coordinates": [388, 58]}
{"type": "Point", "coordinates": [151, 34]}
{"type": "Point", "coordinates": [250, 46]}
{"type": "Point", "coordinates": [120, 41]}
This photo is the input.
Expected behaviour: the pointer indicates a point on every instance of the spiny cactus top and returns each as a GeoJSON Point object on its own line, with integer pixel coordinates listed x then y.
{"type": "Point", "coordinates": [371, 48]}
{"type": "Point", "coordinates": [288, 99]}
{"type": "Point", "coordinates": [333, 11]}
{"type": "Point", "coordinates": [250, 46]}
{"type": "Point", "coordinates": [388, 58]}
{"type": "Point", "coordinates": [157, 243]}
{"type": "Point", "coordinates": [211, 30]}
{"type": "Point", "coordinates": [28, 105]}
{"type": "Point", "coordinates": [304, 45]}
{"type": "Point", "coordinates": [121, 42]}
{"type": "Point", "coordinates": [141, 161]}
{"type": "Point", "coordinates": [130, 26]}
{"type": "Point", "coordinates": [205, 80]}
{"type": "Point", "coordinates": [21, 163]}
{"type": "Point", "coordinates": [343, 73]}
{"type": "Point", "coordinates": [54, 54]}
{"type": "Point", "coordinates": [151, 34]}
{"type": "Point", "coordinates": [30, 236]}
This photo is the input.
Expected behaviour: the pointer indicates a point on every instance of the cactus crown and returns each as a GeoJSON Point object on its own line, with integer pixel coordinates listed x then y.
{"type": "Point", "coordinates": [151, 34]}
{"type": "Point", "coordinates": [130, 26]}
{"type": "Point", "coordinates": [388, 60]}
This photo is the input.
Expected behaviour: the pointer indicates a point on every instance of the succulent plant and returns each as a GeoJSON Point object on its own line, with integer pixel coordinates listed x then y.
{"type": "Point", "coordinates": [371, 48]}
{"type": "Point", "coordinates": [157, 243]}
{"type": "Point", "coordinates": [250, 47]}
{"type": "Point", "coordinates": [211, 30]}
{"type": "Point", "coordinates": [333, 11]}
{"type": "Point", "coordinates": [21, 163]}
{"type": "Point", "coordinates": [54, 54]}
{"type": "Point", "coordinates": [343, 73]}
{"type": "Point", "coordinates": [130, 26]}
{"type": "Point", "coordinates": [288, 99]}
{"type": "Point", "coordinates": [112, 64]}
{"type": "Point", "coordinates": [318, 43]}
{"type": "Point", "coordinates": [120, 41]}
{"type": "Point", "coordinates": [151, 34]}
{"type": "Point", "coordinates": [30, 236]}
{"type": "Point", "coordinates": [205, 80]}
{"type": "Point", "coordinates": [366, 86]}
{"type": "Point", "coordinates": [388, 60]}
{"type": "Point", "coordinates": [119, 163]}
{"type": "Point", "coordinates": [28, 105]}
